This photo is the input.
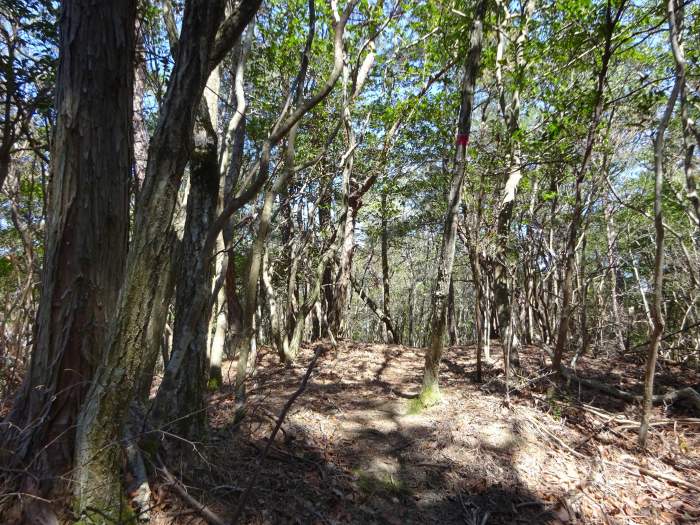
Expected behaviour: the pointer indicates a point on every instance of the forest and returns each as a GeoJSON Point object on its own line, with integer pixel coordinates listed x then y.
{"type": "Point", "coordinates": [349, 261]}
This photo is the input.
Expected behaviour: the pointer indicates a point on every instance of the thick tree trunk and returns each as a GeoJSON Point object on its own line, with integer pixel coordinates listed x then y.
{"type": "Point", "coordinates": [87, 230]}
{"type": "Point", "coordinates": [430, 392]}
{"type": "Point", "coordinates": [179, 404]}
{"type": "Point", "coordinates": [98, 483]}
{"type": "Point", "coordinates": [341, 290]}
{"type": "Point", "coordinates": [502, 289]}
{"type": "Point", "coordinates": [156, 348]}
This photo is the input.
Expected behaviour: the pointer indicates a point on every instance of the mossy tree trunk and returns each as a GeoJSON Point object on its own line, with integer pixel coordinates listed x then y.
{"type": "Point", "coordinates": [204, 40]}
{"type": "Point", "coordinates": [430, 391]}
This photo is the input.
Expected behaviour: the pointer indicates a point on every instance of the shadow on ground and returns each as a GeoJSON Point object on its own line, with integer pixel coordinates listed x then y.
{"type": "Point", "coordinates": [355, 450]}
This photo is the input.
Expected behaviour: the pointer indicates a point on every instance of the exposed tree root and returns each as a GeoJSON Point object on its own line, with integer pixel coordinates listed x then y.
{"type": "Point", "coordinates": [140, 490]}
{"type": "Point", "coordinates": [688, 393]}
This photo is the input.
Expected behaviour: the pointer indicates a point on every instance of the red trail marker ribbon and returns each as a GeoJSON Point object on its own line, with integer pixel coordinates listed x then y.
{"type": "Point", "coordinates": [462, 139]}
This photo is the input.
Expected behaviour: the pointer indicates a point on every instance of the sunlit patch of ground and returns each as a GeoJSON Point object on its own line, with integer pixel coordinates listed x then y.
{"type": "Point", "coordinates": [353, 451]}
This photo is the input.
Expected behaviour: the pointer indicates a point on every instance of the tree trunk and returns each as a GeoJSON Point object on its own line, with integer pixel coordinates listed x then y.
{"type": "Point", "coordinates": [657, 317]}
{"type": "Point", "coordinates": [326, 302]}
{"type": "Point", "coordinates": [228, 311]}
{"type": "Point", "coordinates": [352, 194]}
{"type": "Point", "coordinates": [341, 290]}
{"type": "Point", "coordinates": [179, 404]}
{"type": "Point", "coordinates": [479, 317]}
{"type": "Point", "coordinates": [613, 272]}
{"type": "Point", "coordinates": [430, 392]}
{"type": "Point", "coordinates": [411, 309]}
{"type": "Point", "coordinates": [511, 116]}
{"type": "Point", "coordinates": [386, 280]}
{"type": "Point", "coordinates": [98, 483]}
{"type": "Point", "coordinates": [87, 230]}
{"type": "Point", "coordinates": [140, 130]}
{"type": "Point", "coordinates": [451, 317]}
{"type": "Point", "coordinates": [567, 287]}
{"type": "Point", "coordinates": [675, 19]}
{"type": "Point", "coordinates": [388, 323]}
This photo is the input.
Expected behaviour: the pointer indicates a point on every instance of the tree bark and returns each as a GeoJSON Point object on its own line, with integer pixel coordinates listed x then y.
{"type": "Point", "coordinates": [386, 279]}
{"type": "Point", "coordinates": [675, 20]}
{"type": "Point", "coordinates": [511, 115]}
{"type": "Point", "coordinates": [430, 391]}
{"type": "Point", "coordinates": [179, 404]}
{"type": "Point", "coordinates": [139, 119]}
{"type": "Point", "coordinates": [341, 289]}
{"type": "Point", "coordinates": [657, 316]}
{"type": "Point", "coordinates": [87, 230]}
{"type": "Point", "coordinates": [98, 484]}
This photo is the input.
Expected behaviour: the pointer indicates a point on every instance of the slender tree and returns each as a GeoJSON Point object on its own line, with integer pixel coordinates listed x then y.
{"type": "Point", "coordinates": [656, 327]}
{"type": "Point", "coordinates": [612, 17]}
{"type": "Point", "coordinates": [430, 391]}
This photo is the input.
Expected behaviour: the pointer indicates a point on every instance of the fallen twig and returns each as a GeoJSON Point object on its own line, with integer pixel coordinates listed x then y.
{"type": "Point", "coordinates": [601, 428]}
{"type": "Point", "coordinates": [628, 424]}
{"type": "Point", "coordinates": [254, 476]}
{"type": "Point", "coordinates": [668, 477]}
{"type": "Point", "coordinates": [635, 470]}
{"type": "Point", "coordinates": [197, 505]}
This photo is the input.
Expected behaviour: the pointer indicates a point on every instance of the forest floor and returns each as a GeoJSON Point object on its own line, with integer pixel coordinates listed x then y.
{"type": "Point", "coordinates": [355, 449]}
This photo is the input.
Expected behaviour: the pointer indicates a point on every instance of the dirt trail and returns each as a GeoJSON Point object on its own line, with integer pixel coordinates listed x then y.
{"type": "Point", "coordinates": [355, 450]}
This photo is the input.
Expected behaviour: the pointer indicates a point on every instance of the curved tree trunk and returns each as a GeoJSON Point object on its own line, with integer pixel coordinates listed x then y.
{"type": "Point", "coordinates": [656, 326]}
{"type": "Point", "coordinates": [231, 159]}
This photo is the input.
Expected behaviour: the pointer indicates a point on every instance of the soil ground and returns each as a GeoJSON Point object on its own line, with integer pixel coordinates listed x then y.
{"type": "Point", "coordinates": [355, 448]}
